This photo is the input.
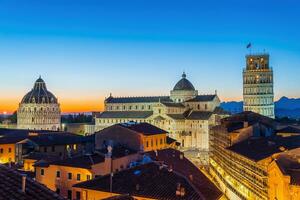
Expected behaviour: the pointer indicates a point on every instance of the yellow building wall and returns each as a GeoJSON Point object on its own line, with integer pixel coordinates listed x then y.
{"type": "Point", "coordinates": [154, 142]}
{"type": "Point", "coordinates": [28, 165]}
{"type": "Point", "coordinates": [63, 183]}
{"type": "Point", "coordinates": [279, 185]}
{"type": "Point", "coordinates": [7, 153]}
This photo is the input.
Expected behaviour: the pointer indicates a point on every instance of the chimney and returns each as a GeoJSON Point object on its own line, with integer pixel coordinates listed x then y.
{"type": "Point", "coordinates": [181, 156]}
{"type": "Point", "coordinates": [24, 183]}
{"type": "Point", "coordinates": [246, 124]}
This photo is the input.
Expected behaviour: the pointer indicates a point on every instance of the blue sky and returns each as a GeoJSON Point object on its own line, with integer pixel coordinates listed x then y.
{"type": "Point", "coordinates": [86, 49]}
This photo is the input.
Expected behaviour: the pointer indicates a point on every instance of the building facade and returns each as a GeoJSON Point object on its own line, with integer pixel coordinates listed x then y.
{"type": "Point", "coordinates": [258, 85]}
{"type": "Point", "coordinates": [39, 109]}
{"type": "Point", "coordinates": [185, 115]}
{"type": "Point", "coordinates": [246, 159]}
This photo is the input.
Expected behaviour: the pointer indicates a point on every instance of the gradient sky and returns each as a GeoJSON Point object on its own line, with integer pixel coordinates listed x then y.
{"type": "Point", "coordinates": [85, 50]}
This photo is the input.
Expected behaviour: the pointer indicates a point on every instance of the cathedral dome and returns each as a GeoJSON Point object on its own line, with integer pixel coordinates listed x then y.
{"type": "Point", "coordinates": [39, 94]}
{"type": "Point", "coordinates": [184, 84]}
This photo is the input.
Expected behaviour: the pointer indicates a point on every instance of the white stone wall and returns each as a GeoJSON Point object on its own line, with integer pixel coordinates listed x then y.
{"type": "Point", "coordinates": [39, 116]}
{"type": "Point", "coordinates": [258, 91]}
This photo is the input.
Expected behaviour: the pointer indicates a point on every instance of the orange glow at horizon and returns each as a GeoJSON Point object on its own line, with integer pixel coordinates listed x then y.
{"type": "Point", "coordinates": [66, 105]}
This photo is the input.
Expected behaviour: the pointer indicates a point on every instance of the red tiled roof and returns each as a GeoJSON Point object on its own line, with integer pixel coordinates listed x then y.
{"type": "Point", "coordinates": [176, 160]}
{"type": "Point", "coordinates": [11, 187]}
{"type": "Point", "coordinates": [147, 180]}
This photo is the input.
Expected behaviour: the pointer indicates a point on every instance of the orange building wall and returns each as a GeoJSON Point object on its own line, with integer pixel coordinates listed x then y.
{"type": "Point", "coordinates": [153, 142]}
{"type": "Point", "coordinates": [8, 153]}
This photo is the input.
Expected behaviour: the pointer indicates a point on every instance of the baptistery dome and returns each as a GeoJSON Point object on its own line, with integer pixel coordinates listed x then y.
{"type": "Point", "coordinates": [39, 109]}
{"type": "Point", "coordinates": [39, 94]}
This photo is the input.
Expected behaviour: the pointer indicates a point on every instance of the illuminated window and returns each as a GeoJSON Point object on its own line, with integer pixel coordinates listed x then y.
{"type": "Point", "coordinates": [74, 147]}
{"type": "Point", "coordinates": [88, 177]}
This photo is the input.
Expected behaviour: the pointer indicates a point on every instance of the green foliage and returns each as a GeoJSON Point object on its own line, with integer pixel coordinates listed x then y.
{"type": "Point", "coordinates": [80, 118]}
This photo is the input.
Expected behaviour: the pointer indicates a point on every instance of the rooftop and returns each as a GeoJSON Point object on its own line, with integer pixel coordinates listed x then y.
{"type": "Point", "coordinates": [148, 180]}
{"type": "Point", "coordinates": [204, 98]}
{"type": "Point", "coordinates": [289, 129]}
{"type": "Point", "coordinates": [143, 128]}
{"type": "Point", "coordinates": [263, 147]}
{"type": "Point", "coordinates": [11, 186]}
{"type": "Point", "coordinates": [125, 114]}
{"type": "Point", "coordinates": [290, 165]}
{"type": "Point", "coordinates": [180, 164]}
{"type": "Point", "coordinates": [83, 161]}
{"type": "Point", "coordinates": [150, 99]}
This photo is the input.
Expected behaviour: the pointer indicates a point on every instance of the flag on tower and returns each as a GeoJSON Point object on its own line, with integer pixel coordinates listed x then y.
{"type": "Point", "coordinates": [249, 45]}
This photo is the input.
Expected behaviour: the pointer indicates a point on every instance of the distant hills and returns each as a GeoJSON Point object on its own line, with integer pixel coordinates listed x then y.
{"type": "Point", "coordinates": [284, 107]}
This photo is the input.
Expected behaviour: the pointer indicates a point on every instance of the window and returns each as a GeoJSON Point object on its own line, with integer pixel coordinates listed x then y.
{"type": "Point", "coordinates": [1, 150]}
{"type": "Point", "coordinates": [156, 142]}
{"type": "Point", "coordinates": [9, 150]}
{"type": "Point", "coordinates": [78, 177]}
{"type": "Point", "coordinates": [70, 194]}
{"type": "Point", "coordinates": [57, 191]}
{"type": "Point", "coordinates": [88, 177]}
{"type": "Point", "coordinates": [74, 146]}
{"type": "Point", "coordinates": [57, 174]}
{"type": "Point", "coordinates": [151, 143]}
{"type": "Point", "coordinates": [53, 148]}
{"type": "Point", "coordinates": [78, 195]}
{"type": "Point", "coordinates": [70, 176]}
{"type": "Point", "coordinates": [147, 144]}
{"type": "Point", "coordinates": [161, 140]}
{"type": "Point", "coordinates": [205, 106]}
{"type": "Point", "coordinates": [45, 149]}
{"type": "Point", "coordinates": [42, 172]}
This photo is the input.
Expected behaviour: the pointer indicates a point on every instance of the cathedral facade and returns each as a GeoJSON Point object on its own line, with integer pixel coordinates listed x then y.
{"type": "Point", "coordinates": [258, 85]}
{"type": "Point", "coordinates": [185, 115]}
{"type": "Point", "coordinates": [39, 109]}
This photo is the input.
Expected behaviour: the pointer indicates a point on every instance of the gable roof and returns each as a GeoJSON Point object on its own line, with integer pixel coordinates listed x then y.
{"type": "Point", "coordinates": [125, 114]}
{"type": "Point", "coordinates": [199, 115]}
{"type": "Point", "coordinates": [202, 98]}
{"type": "Point", "coordinates": [289, 129]}
{"type": "Point", "coordinates": [148, 180]}
{"type": "Point", "coordinates": [143, 128]}
{"type": "Point", "coordinates": [11, 187]}
{"type": "Point", "coordinates": [180, 164]}
{"type": "Point", "coordinates": [82, 161]}
{"type": "Point", "coordinates": [263, 147]}
{"type": "Point", "coordinates": [58, 139]}
{"type": "Point", "coordinates": [172, 104]}
{"type": "Point", "coordinates": [289, 165]}
{"type": "Point", "coordinates": [150, 99]}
